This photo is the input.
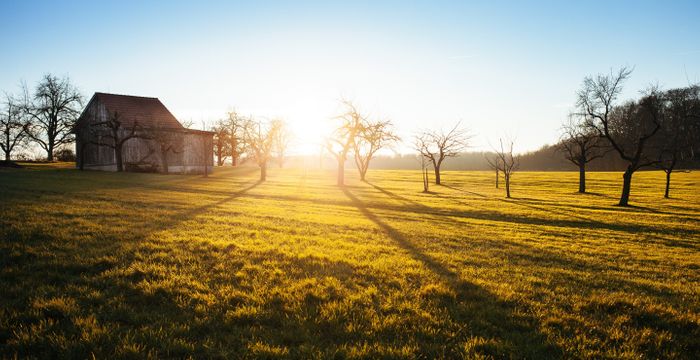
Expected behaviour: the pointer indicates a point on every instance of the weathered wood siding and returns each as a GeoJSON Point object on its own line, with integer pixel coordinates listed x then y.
{"type": "Point", "coordinates": [193, 149]}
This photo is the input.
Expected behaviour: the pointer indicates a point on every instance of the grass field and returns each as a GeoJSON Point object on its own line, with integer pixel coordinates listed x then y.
{"type": "Point", "coordinates": [135, 265]}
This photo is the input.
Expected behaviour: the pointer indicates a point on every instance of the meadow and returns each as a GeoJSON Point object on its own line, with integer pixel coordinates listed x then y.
{"type": "Point", "coordinates": [124, 265]}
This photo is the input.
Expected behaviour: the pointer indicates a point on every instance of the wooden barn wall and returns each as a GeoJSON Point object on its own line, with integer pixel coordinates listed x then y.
{"type": "Point", "coordinates": [198, 149]}
{"type": "Point", "coordinates": [192, 149]}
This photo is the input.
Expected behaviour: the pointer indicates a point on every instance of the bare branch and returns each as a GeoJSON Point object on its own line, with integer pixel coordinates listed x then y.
{"type": "Point", "coordinates": [436, 146]}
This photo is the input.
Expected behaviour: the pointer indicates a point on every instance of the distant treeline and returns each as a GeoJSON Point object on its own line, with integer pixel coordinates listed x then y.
{"type": "Point", "coordinates": [547, 158]}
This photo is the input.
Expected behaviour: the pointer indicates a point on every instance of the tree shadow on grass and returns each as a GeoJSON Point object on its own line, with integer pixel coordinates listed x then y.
{"type": "Point", "coordinates": [483, 314]}
{"type": "Point", "coordinates": [578, 222]}
{"type": "Point", "coordinates": [684, 330]}
{"type": "Point", "coordinates": [61, 279]}
{"type": "Point", "coordinates": [612, 208]}
{"type": "Point", "coordinates": [402, 198]}
{"type": "Point", "coordinates": [465, 191]}
{"type": "Point", "coordinates": [586, 222]}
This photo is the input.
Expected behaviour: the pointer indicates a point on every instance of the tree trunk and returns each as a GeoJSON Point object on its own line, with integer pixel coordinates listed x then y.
{"type": "Point", "coordinates": [164, 162]}
{"type": "Point", "coordinates": [507, 176]}
{"type": "Point", "coordinates": [341, 172]}
{"type": "Point", "coordinates": [626, 186]}
{"type": "Point", "coordinates": [234, 154]}
{"type": "Point", "coordinates": [668, 182]}
{"type": "Point", "coordinates": [219, 157]}
{"type": "Point", "coordinates": [118, 157]}
{"type": "Point", "coordinates": [497, 178]}
{"type": "Point", "coordinates": [7, 155]}
{"type": "Point", "coordinates": [582, 178]}
{"type": "Point", "coordinates": [281, 162]}
{"type": "Point", "coordinates": [263, 171]}
{"type": "Point", "coordinates": [49, 151]}
{"type": "Point", "coordinates": [437, 175]}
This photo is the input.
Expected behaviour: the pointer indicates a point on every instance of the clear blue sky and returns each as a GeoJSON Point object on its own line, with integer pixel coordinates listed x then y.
{"type": "Point", "coordinates": [503, 68]}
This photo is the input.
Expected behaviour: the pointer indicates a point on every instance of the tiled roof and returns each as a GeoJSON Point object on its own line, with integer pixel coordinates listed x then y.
{"type": "Point", "coordinates": [146, 111]}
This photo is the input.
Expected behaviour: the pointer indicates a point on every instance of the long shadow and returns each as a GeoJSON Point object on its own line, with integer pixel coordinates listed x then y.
{"type": "Point", "coordinates": [483, 313]}
{"type": "Point", "coordinates": [598, 224]}
{"type": "Point", "coordinates": [489, 215]}
{"type": "Point", "coordinates": [399, 197]}
{"type": "Point", "coordinates": [528, 256]}
{"type": "Point", "coordinates": [614, 208]}
{"type": "Point", "coordinates": [585, 222]}
{"type": "Point", "coordinates": [533, 255]}
{"type": "Point", "coordinates": [544, 256]}
{"type": "Point", "coordinates": [86, 182]}
{"type": "Point", "coordinates": [464, 191]}
{"type": "Point", "coordinates": [76, 269]}
{"type": "Point", "coordinates": [556, 213]}
{"type": "Point", "coordinates": [566, 266]}
{"type": "Point", "coordinates": [198, 210]}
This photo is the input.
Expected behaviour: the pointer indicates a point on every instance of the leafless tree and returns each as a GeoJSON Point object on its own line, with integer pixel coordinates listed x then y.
{"type": "Point", "coordinates": [580, 145]}
{"type": "Point", "coordinates": [436, 146]}
{"type": "Point", "coordinates": [236, 124]}
{"type": "Point", "coordinates": [676, 137]}
{"type": "Point", "coordinates": [169, 141]}
{"type": "Point", "coordinates": [341, 141]}
{"type": "Point", "coordinates": [117, 134]}
{"type": "Point", "coordinates": [424, 172]}
{"type": "Point", "coordinates": [627, 127]}
{"type": "Point", "coordinates": [13, 125]}
{"type": "Point", "coordinates": [54, 108]}
{"type": "Point", "coordinates": [505, 161]}
{"type": "Point", "coordinates": [187, 124]}
{"type": "Point", "coordinates": [283, 138]}
{"type": "Point", "coordinates": [259, 138]}
{"type": "Point", "coordinates": [222, 141]}
{"type": "Point", "coordinates": [373, 136]}
{"type": "Point", "coordinates": [495, 166]}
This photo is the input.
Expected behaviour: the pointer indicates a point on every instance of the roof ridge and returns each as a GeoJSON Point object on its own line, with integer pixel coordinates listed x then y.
{"type": "Point", "coordinates": [125, 95]}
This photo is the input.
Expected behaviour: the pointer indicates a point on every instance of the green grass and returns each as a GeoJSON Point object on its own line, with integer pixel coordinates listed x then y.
{"type": "Point", "coordinates": [146, 265]}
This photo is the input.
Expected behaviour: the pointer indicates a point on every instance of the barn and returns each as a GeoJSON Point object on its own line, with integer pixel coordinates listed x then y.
{"type": "Point", "coordinates": [135, 133]}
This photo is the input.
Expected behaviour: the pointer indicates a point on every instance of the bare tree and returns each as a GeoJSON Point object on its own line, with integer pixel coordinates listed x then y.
{"type": "Point", "coordinates": [54, 108]}
{"type": "Point", "coordinates": [169, 141]}
{"type": "Point", "coordinates": [373, 136]}
{"type": "Point", "coordinates": [341, 141]}
{"type": "Point", "coordinates": [259, 138]}
{"type": "Point", "coordinates": [580, 145]}
{"type": "Point", "coordinates": [222, 141]}
{"type": "Point", "coordinates": [187, 124]}
{"type": "Point", "coordinates": [504, 161]}
{"type": "Point", "coordinates": [283, 138]}
{"type": "Point", "coordinates": [424, 171]}
{"type": "Point", "coordinates": [675, 141]}
{"type": "Point", "coordinates": [628, 127]}
{"type": "Point", "coordinates": [13, 126]}
{"type": "Point", "coordinates": [236, 124]}
{"type": "Point", "coordinates": [495, 166]}
{"type": "Point", "coordinates": [114, 130]}
{"type": "Point", "coordinates": [436, 146]}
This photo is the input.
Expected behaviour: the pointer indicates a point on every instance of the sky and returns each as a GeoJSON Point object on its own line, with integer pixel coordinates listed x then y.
{"type": "Point", "coordinates": [501, 68]}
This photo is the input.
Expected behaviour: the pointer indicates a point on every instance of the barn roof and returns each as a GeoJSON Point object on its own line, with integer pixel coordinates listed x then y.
{"type": "Point", "coordinates": [148, 112]}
